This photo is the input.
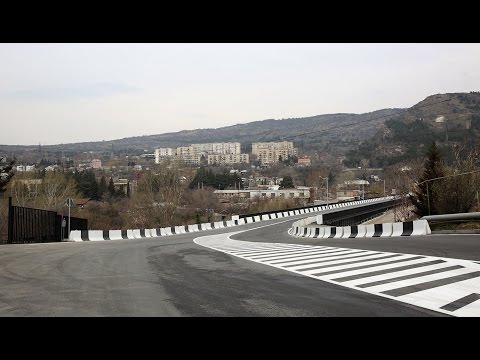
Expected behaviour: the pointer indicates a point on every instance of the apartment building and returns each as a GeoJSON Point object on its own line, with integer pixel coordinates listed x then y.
{"type": "Point", "coordinates": [162, 153]}
{"type": "Point", "coordinates": [272, 152]}
{"type": "Point", "coordinates": [224, 159]}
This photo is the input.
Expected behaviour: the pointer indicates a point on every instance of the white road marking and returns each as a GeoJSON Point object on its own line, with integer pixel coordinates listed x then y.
{"type": "Point", "coordinates": [345, 262]}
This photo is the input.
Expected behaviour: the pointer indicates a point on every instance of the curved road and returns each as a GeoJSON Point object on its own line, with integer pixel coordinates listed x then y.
{"type": "Point", "coordinates": [173, 276]}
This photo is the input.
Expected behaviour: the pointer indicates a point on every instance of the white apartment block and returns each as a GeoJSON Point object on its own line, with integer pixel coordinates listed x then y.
{"type": "Point", "coordinates": [163, 152]}
{"type": "Point", "coordinates": [188, 159]}
{"type": "Point", "coordinates": [227, 159]}
{"type": "Point", "coordinates": [270, 152]}
{"type": "Point", "coordinates": [192, 154]}
{"type": "Point", "coordinates": [217, 148]}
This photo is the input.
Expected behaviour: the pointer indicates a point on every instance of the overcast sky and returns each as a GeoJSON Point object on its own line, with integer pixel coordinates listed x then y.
{"type": "Point", "coordinates": [63, 93]}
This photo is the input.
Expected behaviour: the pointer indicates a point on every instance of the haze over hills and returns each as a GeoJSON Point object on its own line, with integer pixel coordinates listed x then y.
{"type": "Point", "coordinates": [377, 138]}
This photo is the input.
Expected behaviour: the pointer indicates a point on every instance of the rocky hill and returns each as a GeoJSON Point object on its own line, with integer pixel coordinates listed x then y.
{"type": "Point", "coordinates": [374, 139]}
{"type": "Point", "coordinates": [448, 119]}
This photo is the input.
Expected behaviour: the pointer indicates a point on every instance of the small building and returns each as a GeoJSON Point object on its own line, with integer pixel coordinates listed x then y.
{"type": "Point", "coordinates": [304, 161]}
{"type": "Point", "coordinates": [96, 164]}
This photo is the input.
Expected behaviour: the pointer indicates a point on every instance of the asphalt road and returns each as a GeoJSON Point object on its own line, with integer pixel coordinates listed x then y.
{"type": "Point", "coordinates": [172, 276]}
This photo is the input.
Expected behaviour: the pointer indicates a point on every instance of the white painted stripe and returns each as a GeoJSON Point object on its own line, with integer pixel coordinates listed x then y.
{"type": "Point", "coordinates": [374, 261]}
{"type": "Point", "coordinates": [419, 280]}
{"type": "Point", "coordinates": [338, 264]}
{"type": "Point", "coordinates": [396, 274]}
{"type": "Point", "coordinates": [332, 254]}
{"type": "Point", "coordinates": [437, 297]}
{"type": "Point", "coordinates": [300, 256]}
{"type": "Point", "coordinates": [443, 295]}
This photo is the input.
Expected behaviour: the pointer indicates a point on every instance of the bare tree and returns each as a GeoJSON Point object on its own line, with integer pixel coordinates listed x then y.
{"type": "Point", "coordinates": [55, 189]}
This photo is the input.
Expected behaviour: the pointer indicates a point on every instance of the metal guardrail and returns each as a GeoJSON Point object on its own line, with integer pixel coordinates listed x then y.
{"type": "Point", "coordinates": [452, 217]}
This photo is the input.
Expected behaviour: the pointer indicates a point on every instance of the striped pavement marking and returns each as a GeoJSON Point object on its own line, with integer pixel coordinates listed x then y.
{"type": "Point", "coordinates": [446, 285]}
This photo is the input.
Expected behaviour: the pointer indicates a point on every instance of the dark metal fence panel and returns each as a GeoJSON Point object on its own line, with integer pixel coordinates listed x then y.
{"type": "Point", "coordinates": [28, 225]}
{"type": "Point", "coordinates": [32, 226]}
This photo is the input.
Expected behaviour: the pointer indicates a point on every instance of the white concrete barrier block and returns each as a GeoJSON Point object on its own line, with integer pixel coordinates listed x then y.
{"type": "Point", "coordinates": [95, 235]}
{"type": "Point", "coordinates": [130, 234]}
{"type": "Point", "coordinates": [397, 229]}
{"type": "Point", "coordinates": [136, 234]}
{"type": "Point", "coordinates": [179, 230]}
{"type": "Point", "coordinates": [115, 234]}
{"type": "Point", "coordinates": [370, 230]}
{"type": "Point", "coordinates": [327, 232]}
{"type": "Point", "coordinates": [193, 228]}
{"type": "Point", "coordinates": [347, 230]}
{"type": "Point", "coordinates": [421, 227]}
{"type": "Point", "coordinates": [265, 217]}
{"type": "Point", "coordinates": [338, 232]}
{"type": "Point", "coordinates": [387, 229]}
{"type": "Point", "coordinates": [362, 230]}
{"type": "Point", "coordinates": [163, 232]}
{"type": "Point", "coordinates": [168, 230]}
{"type": "Point", "coordinates": [75, 235]}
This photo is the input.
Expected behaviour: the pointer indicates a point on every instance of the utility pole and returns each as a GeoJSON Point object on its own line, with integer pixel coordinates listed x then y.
{"type": "Point", "coordinates": [383, 187]}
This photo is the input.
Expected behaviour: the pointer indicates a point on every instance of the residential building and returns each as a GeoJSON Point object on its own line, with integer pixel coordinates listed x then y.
{"type": "Point", "coordinates": [96, 164]}
{"type": "Point", "coordinates": [224, 159]}
{"type": "Point", "coordinates": [272, 152]}
{"type": "Point", "coordinates": [163, 153]}
{"type": "Point", "coordinates": [271, 193]}
{"type": "Point", "coordinates": [304, 161]}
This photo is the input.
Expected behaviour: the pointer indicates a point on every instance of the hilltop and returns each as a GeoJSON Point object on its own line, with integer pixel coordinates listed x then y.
{"type": "Point", "coordinates": [376, 139]}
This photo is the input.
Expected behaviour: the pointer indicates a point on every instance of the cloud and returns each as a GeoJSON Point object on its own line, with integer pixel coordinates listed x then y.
{"type": "Point", "coordinates": [67, 93]}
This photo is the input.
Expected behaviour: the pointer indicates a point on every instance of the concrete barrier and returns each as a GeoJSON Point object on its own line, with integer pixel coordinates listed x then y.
{"type": "Point", "coordinates": [95, 235]}
{"type": "Point", "coordinates": [208, 226]}
{"type": "Point", "coordinates": [369, 230]}
{"type": "Point", "coordinates": [347, 231]}
{"type": "Point", "coordinates": [249, 220]}
{"type": "Point", "coordinates": [387, 229]}
{"type": "Point", "coordinates": [256, 218]}
{"type": "Point", "coordinates": [75, 235]}
{"type": "Point", "coordinates": [115, 235]}
{"type": "Point", "coordinates": [318, 233]}
{"type": "Point", "coordinates": [338, 232]}
{"type": "Point", "coordinates": [137, 234]}
{"type": "Point", "coordinates": [421, 227]}
{"type": "Point", "coordinates": [192, 228]}
{"type": "Point", "coordinates": [327, 232]}
{"type": "Point", "coordinates": [265, 217]}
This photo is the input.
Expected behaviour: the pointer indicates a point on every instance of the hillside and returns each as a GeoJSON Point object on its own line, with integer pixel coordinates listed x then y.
{"type": "Point", "coordinates": [310, 134]}
{"type": "Point", "coordinates": [374, 139]}
{"type": "Point", "coordinates": [448, 119]}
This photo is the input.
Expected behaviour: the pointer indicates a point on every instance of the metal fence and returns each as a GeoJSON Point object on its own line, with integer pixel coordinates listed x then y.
{"type": "Point", "coordinates": [28, 225]}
